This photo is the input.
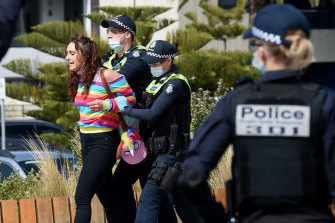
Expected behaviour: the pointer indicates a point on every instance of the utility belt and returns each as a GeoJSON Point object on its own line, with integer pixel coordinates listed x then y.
{"type": "Point", "coordinates": [164, 144]}
{"type": "Point", "coordinates": [167, 175]}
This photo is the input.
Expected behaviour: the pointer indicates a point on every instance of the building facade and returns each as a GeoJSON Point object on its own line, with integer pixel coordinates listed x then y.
{"type": "Point", "coordinates": [322, 19]}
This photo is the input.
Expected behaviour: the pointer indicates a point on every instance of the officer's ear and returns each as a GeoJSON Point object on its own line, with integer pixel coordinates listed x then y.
{"type": "Point", "coordinates": [128, 35]}
{"type": "Point", "coordinates": [169, 60]}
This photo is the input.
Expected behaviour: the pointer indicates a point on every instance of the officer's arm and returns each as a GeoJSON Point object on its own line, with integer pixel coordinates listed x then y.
{"type": "Point", "coordinates": [328, 120]}
{"type": "Point", "coordinates": [204, 153]}
{"type": "Point", "coordinates": [172, 91]}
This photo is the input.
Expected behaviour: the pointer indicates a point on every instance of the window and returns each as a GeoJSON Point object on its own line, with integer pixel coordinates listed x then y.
{"type": "Point", "coordinates": [18, 131]}
{"type": "Point", "coordinates": [321, 17]}
{"type": "Point", "coordinates": [5, 170]}
{"type": "Point", "coordinates": [47, 129]}
{"type": "Point", "coordinates": [227, 4]}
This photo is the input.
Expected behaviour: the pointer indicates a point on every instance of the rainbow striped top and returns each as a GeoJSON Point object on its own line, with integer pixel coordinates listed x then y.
{"type": "Point", "coordinates": [105, 120]}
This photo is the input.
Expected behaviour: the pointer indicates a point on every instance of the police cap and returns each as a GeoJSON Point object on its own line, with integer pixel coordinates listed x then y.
{"type": "Point", "coordinates": [159, 50]}
{"type": "Point", "coordinates": [122, 22]}
{"type": "Point", "coordinates": [272, 23]}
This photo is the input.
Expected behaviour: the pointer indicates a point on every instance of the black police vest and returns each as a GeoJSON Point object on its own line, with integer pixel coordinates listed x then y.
{"type": "Point", "coordinates": [176, 114]}
{"type": "Point", "coordinates": [278, 156]}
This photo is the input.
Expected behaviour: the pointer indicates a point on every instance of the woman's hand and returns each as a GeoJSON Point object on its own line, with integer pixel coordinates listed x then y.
{"type": "Point", "coordinates": [95, 106]}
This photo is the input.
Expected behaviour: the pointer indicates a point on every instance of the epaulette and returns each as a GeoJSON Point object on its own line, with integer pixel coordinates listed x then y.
{"type": "Point", "coordinates": [137, 53]}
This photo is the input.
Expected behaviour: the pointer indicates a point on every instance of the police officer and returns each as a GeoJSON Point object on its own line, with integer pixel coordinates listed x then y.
{"type": "Point", "coordinates": [282, 129]}
{"type": "Point", "coordinates": [167, 109]}
{"type": "Point", "coordinates": [125, 58]}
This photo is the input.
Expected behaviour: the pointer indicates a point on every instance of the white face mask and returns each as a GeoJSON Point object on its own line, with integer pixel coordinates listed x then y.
{"type": "Point", "coordinates": [157, 71]}
{"type": "Point", "coordinates": [114, 43]}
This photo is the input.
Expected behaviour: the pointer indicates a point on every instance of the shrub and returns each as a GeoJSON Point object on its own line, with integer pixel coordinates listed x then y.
{"type": "Point", "coordinates": [15, 187]}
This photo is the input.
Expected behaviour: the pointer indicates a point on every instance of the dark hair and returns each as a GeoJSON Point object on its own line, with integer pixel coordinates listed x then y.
{"type": "Point", "coordinates": [175, 45]}
{"type": "Point", "coordinates": [92, 62]}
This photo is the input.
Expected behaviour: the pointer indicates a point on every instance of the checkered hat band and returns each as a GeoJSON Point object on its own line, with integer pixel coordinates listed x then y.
{"type": "Point", "coordinates": [124, 26]}
{"type": "Point", "coordinates": [269, 37]}
{"type": "Point", "coordinates": [160, 56]}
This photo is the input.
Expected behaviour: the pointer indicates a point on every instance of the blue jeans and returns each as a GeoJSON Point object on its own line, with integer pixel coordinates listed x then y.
{"type": "Point", "coordinates": [98, 155]}
{"type": "Point", "coordinates": [152, 197]}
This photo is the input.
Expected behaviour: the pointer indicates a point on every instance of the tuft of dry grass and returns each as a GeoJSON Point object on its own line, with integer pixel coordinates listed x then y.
{"type": "Point", "coordinates": [223, 171]}
{"type": "Point", "coordinates": [52, 183]}
{"type": "Point", "coordinates": [76, 147]}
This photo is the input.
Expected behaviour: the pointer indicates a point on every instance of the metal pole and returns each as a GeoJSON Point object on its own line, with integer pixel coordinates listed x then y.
{"type": "Point", "coordinates": [3, 121]}
{"type": "Point", "coordinates": [3, 125]}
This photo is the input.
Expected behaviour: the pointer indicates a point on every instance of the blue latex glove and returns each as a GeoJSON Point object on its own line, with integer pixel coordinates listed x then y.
{"type": "Point", "coordinates": [121, 102]}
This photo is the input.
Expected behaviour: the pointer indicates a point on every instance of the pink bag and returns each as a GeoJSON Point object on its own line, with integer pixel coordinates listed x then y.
{"type": "Point", "coordinates": [133, 149]}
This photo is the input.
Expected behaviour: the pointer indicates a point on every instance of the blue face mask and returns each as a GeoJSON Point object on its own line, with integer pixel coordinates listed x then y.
{"type": "Point", "coordinates": [157, 71]}
{"type": "Point", "coordinates": [257, 65]}
{"type": "Point", "coordinates": [114, 43]}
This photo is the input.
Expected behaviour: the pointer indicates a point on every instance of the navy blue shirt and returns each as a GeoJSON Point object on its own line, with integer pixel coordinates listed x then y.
{"type": "Point", "coordinates": [216, 134]}
{"type": "Point", "coordinates": [9, 13]}
{"type": "Point", "coordinates": [162, 113]}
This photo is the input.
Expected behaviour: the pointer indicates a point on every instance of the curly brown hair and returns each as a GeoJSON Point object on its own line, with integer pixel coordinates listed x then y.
{"type": "Point", "coordinates": [92, 62]}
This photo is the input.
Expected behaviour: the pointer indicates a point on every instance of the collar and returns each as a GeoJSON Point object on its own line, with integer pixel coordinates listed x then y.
{"type": "Point", "coordinates": [173, 70]}
{"type": "Point", "coordinates": [279, 75]}
{"type": "Point", "coordinates": [129, 50]}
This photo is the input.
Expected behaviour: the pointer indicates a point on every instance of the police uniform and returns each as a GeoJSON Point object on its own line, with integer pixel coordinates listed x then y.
{"type": "Point", "coordinates": [283, 130]}
{"type": "Point", "coordinates": [9, 13]}
{"type": "Point", "coordinates": [138, 76]}
{"type": "Point", "coordinates": [167, 103]}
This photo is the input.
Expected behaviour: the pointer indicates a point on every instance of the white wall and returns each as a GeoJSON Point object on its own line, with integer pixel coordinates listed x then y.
{"type": "Point", "coordinates": [55, 6]}
{"type": "Point", "coordinates": [324, 44]}
{"type": "Point", "coordinates": [87, 22]}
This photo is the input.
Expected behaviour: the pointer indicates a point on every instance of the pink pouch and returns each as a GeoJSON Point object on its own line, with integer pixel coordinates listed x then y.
{"type": "Point", "coordinates": [133, 149]}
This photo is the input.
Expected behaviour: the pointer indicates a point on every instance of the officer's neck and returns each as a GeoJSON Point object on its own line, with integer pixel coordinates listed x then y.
{"type": "Point", "coordinates": [126, 47]}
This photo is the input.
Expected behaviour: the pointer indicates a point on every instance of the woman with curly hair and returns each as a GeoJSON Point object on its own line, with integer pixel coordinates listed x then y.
{"type": "Point", "coordinates": [98, 122]}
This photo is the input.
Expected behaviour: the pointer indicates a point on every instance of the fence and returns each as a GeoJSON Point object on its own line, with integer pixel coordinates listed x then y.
{"type": "Point", "coordinates": [61, 209]}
